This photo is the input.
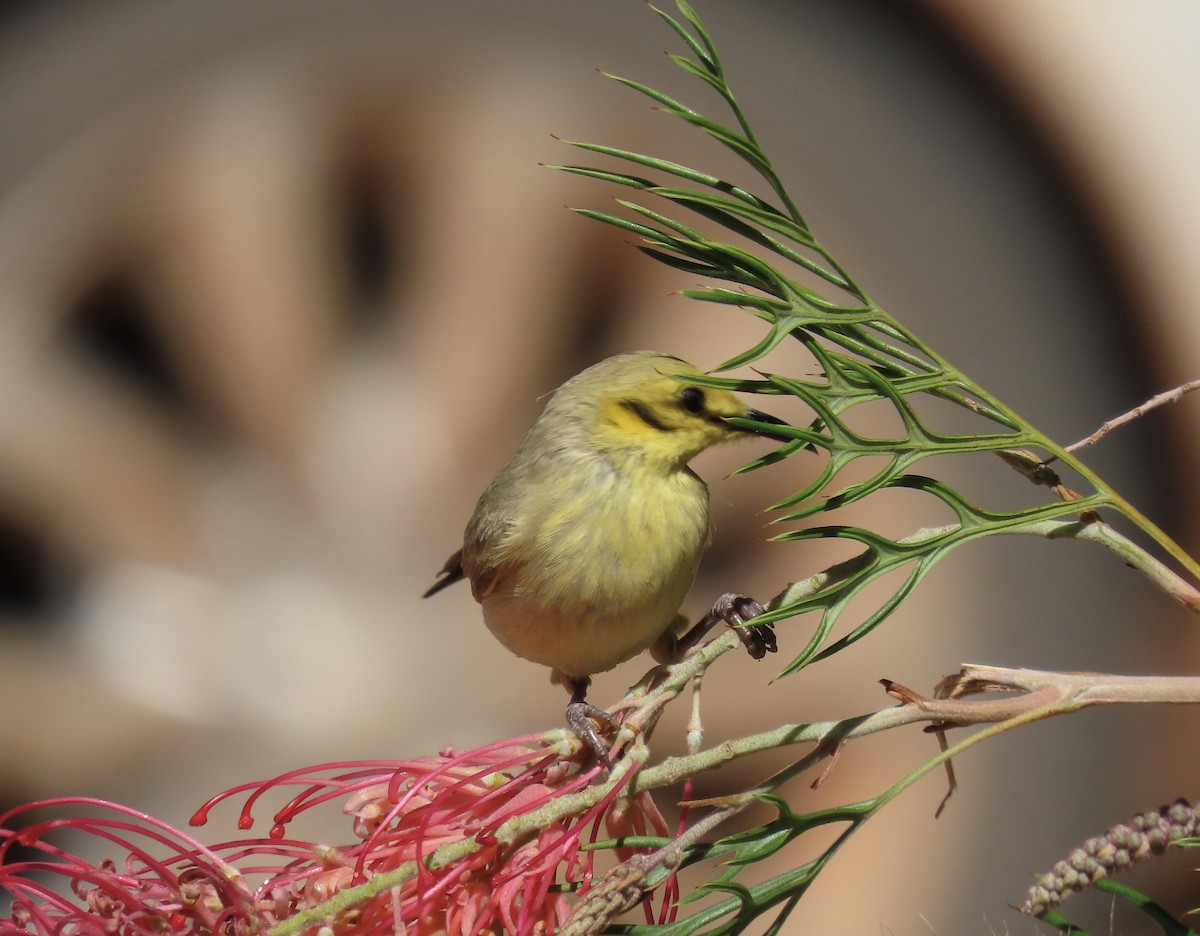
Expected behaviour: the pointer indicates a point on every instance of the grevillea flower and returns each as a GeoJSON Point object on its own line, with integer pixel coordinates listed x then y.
{"type": "Point", "coordinates": [486, 840]}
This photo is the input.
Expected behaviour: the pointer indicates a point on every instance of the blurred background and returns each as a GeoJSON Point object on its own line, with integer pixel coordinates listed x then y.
{"type": "Point", "coordinates": [281, 285]}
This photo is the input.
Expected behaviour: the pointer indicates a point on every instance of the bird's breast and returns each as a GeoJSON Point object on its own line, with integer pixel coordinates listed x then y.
{"type": "Point", "coordinates": [600, 574]}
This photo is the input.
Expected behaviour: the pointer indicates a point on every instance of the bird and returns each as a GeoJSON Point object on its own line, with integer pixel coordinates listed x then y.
{"type": "Point", "coordinates": [582, 549]}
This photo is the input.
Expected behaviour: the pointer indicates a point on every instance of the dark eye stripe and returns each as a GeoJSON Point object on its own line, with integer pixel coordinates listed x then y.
{"type": "Point", "coordinates": [646, 416]}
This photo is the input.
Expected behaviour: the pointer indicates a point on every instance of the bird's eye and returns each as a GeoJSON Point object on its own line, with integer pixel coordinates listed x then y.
{"type": "Point", "coordinates": [692, 399]}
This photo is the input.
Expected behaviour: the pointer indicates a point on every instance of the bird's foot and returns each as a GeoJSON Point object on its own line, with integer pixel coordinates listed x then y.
{"type": "Point", "coordinates": [582, 717]}
{"type": "Point", "coordinates": [736, 610]}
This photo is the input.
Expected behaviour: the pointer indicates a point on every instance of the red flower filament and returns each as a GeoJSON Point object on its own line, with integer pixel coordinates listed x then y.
{"type": "Point", "coordinates": [487, 875]}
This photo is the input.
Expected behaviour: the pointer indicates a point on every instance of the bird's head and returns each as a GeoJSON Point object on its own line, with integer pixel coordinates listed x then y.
{"type": "Point", "coordinates": [642, 409]}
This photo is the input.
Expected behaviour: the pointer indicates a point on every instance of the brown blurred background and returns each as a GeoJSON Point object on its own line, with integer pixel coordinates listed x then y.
{"type": "Point", "coordinates": [281, 284]}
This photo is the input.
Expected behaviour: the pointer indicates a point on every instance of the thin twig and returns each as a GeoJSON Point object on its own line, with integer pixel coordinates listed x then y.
{"type": "Point", "coordinates": [1168, 396]}
{"type": "Point", "coordinates": [1035, 695]}
{"type": "Point", "coordinates": [626, 884]}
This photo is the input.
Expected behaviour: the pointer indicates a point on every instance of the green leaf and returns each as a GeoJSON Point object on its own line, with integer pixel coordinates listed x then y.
{"type": "Point", "coordinates": [866, 358]}
{"type": "Point", "coordinates": [1163, 919]}
{"type": "Point", "coordinates": [704, 52]}
{"type": "Point", "coordinates": [765, 304]}
{"type": "Point", "coordinates": [1063, 924]}
{"type": "Point", "coordinates": [663, 165]}
{"type": "Point", "coordinates": [703, 72]}
{"type": "Point", "coordinates": [762, 215]}
{"type": "Point", "coordinates": [710, 50]}
{"type": "Point", "coordinates": [665, 100]}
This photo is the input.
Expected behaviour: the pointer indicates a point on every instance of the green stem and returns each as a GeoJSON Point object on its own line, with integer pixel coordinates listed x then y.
{"type": "Point", "coordinates": [1136, 517]}
{"type": "Point", "coordinates": [1119, 503]}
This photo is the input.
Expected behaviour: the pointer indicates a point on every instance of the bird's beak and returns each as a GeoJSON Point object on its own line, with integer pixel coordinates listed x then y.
{"type": "Point", "coordinates": [767, 421]}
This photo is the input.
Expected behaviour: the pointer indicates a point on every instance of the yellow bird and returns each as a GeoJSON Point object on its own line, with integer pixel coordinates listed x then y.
{"type": "Point", "coordinates": [583, 548]}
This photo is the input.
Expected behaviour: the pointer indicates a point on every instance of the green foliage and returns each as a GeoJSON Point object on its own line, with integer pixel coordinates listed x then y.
{"type": "Point", "coordinates": [1166, 923]}
{"type": "Point", "coordinates": [779, 272]}
{"type": "Point", "coordinates": [864, 355]}
{"type": "Point", "coordinates": [741, 904]}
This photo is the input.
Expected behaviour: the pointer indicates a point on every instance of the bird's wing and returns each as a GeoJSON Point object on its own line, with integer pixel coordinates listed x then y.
{"type": "Point", "coordinates": [486, 564]}
{"type": "Point", "coordinates": [488, 580]}
{"type": "Point", "coordinates": [484, 580]}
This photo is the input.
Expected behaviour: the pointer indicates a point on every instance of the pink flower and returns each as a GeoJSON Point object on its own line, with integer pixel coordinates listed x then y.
{"type": "Point", "coordinates": [458, 843]}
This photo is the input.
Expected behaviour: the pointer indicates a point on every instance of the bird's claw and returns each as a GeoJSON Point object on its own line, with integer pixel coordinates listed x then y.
{"type": "Point", "coordinates": [736, 610]}
{"type": "Point", "coordinates": [581, 716]}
